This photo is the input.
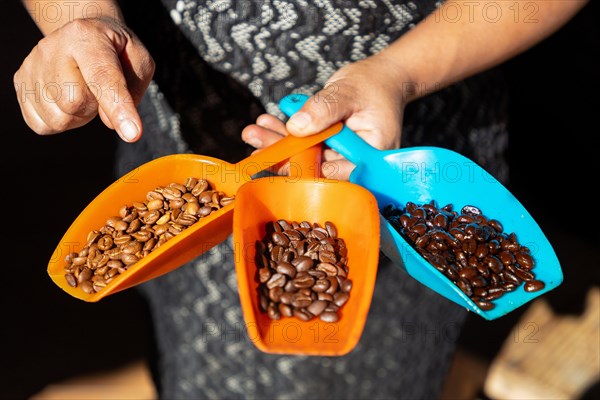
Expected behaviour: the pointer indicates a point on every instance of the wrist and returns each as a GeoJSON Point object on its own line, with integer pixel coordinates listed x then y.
{"type": "Point", "coordinates": [398, 76]}
{"type": "Point", "coordinates": [50, 16]}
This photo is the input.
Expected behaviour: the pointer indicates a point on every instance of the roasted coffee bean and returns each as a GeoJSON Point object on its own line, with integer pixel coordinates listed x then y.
{"type": "Point", "coordinates": [523, 274]}
{"type": "Point", "coordinates": [280, 239]}
{"type": "Point", "coordinates": [329, 316]}
{"type": "Point", "coordinates": [286, 268]}
{"type": "Point", "coordinates": [525, 260]}
{"type": "Point", "coordinates": [321, 285]}
{"type": "Point", "coordinates": [285, 310]}
{"type": "Point", "coordinates": [303, 267]}
{"type": "Point", "coordinates": [346, 285]}
{"type": "Point", "coordinates": [340, 298]}
{"type": "Point", "coordinates": [71, 280]}
{"type": "Point", "coordinates": [273, 311]}
{"type": "Point", "coordinates": [534, 286]}
{"type": "Point", "coordinates": [303, 280]}
{"type": "Point", "coordinates": [137, 230]}
{"type": "Point", "coordinates": [467, 247]}
{"type": "Point", "coordinates": [276, 280]}
{"type": "Point", "coordinates": [484, 305]}
{"type": "Point", "coordinates": [275, 294]}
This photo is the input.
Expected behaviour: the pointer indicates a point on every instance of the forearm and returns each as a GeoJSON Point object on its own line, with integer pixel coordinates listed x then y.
{"type": "Point", "coordinates": [51, 15]}
{"type": "Point", "coordinates": [463, 38]}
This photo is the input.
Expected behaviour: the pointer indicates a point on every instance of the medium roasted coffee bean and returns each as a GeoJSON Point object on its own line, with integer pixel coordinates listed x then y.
{"type": "Point", "coordinates": [285, 310]}
{"type": "Point", "coordinates": [303, 280]}
{"type": "Point", "coordinates": [329, 316]}
{"type": "Point", "coordinates": [276, 280]}
{"type": "Point", "coordinates": [321, 285]}
{"type": "Point", "coordinates": [313, 259]}
{"type": "Point", "coordinates": [303, 263]}
{"type": "Point", "coordinates": [264, 274]}
{"type": "Point", "coordinates": [340, 298]}
{"type": "Point", "coordinates": [280, 239]}
{"type": "Point", "coordinates": [286, 268]}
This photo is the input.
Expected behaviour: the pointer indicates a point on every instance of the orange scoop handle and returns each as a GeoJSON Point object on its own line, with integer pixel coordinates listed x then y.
{"type": "Point", "coordinates": [307, 165]}
{"type": "Point", "coordinates": [287, 147]}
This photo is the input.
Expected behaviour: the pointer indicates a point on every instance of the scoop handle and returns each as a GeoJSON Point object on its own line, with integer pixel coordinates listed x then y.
{"type": "Point", "coordinates": [282, 150]}
{"type": "Point", "coordinates": [346, 142]}
{"type": "Point", "coordinates": [307, 165]}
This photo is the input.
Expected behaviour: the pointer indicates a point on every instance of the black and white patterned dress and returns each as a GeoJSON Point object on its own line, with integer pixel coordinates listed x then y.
{"type": "Point", "coordinates": [219, 65]}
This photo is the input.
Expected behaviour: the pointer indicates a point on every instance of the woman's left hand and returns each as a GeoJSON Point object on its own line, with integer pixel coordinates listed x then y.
{"type": "Point", "coordinates": [365, 95]}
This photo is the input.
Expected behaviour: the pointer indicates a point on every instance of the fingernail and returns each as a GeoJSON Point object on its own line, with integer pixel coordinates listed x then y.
{"type": "Point", "coordinates": [300, 120]}
{"type": "Point", "coordinates": [254, 142]}
{"type": "Point", "coordinates": [128, 130]}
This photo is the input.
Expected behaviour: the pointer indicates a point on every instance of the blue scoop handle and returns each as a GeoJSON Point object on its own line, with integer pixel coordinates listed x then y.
{"type": "Point", "coordinates": [346, 142]}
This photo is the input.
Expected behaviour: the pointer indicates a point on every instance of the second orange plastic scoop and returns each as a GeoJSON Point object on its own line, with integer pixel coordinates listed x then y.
{"type": "Point", "coordinates": [354, 212]}
{"type": "Point", "coordinates": [192, 242]}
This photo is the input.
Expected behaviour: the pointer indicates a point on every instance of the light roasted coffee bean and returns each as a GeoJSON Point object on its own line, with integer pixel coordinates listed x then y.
{"type": "Point", "coordinates": [138, 230]}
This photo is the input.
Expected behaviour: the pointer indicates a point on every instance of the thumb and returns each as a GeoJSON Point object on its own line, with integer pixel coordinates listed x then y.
{"type": "Point", "coordinates": [319, 112]}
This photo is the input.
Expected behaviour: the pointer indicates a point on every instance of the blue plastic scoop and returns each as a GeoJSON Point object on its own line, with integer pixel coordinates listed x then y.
{"type": "Point", "coordinates": [423, 174]}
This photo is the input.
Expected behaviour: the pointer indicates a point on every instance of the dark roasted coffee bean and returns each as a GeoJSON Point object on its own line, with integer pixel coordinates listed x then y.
{"type": "Point", "coordinates": [468, 273]}
{"type": "Point", "coordinates": [470, 210]}
{"type": "Point", "coordinates": [485, 305]}
{"type": "Point", "coordinates": [493, 263]}
{"type": "Point", "coordinates": [465, 286]}
{"type": "Point", "coordinates": [525, 260]}
{"type": "Point", "coordinates": [419, 229]}
{"type": "Point", "coordinates": [479, 281]}
{"type": "Point", "coordinates": [523, 274]}
{"type": "Point", "coordinates": [440, 221]}
{"type": "Point", "coordinates": [493, 293]}
{"type": "Point", "coordinates": [506, 257]}
{"type": "Point", "coordinates": [483, 270]}
{"type": "Point", "coordinates": [534, 286]}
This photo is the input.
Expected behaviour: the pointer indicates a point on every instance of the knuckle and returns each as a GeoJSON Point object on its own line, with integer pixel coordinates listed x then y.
{"type": "Point", "coordinates": [57, 121]}
{"type": "Point", "coordinates": [77, 105]}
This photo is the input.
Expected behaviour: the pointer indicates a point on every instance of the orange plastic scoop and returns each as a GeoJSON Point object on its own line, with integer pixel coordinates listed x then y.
{"type": "Point", "coordinates": [352, 209]}
{"type": "Point", "coordinates": [193, 241]}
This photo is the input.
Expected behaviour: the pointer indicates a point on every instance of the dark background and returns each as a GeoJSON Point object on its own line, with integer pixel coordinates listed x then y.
{"type": "Point", "coordinates": [47, 336]}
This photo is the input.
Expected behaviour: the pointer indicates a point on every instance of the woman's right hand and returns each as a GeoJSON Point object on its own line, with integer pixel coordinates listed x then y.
{"type": "Point", "coordinates": [85, 68]}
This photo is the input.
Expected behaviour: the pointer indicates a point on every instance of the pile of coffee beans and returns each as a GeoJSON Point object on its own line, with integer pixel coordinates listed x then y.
{"type": "Point", "coordinates": [139, 229]}
{"type": "Point", "coordinates": [302, 270]}
{"type": "Point", "coordinates": [469, 248]}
